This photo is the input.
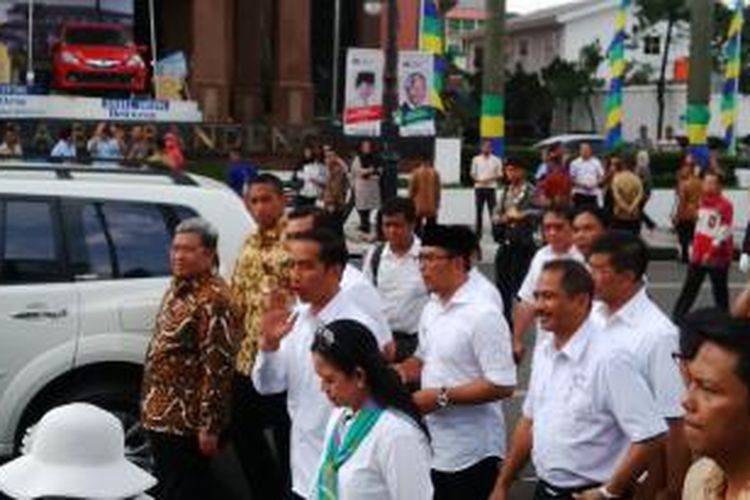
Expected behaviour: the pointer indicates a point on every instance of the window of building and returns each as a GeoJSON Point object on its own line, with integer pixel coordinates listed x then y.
{"type": "Point", "coordinates": [30, 250]}
{"type": "Point", "coordinates": [454, 24]}
{"type": "Point", "coordinates": [523, 47]}
{"type": "Point", "coordinates": [652, 45]}
{"type": "Point", "coordinates": [467, 24]}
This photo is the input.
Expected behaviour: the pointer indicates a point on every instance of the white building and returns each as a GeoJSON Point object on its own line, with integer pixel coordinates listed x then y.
{"type": "Point", "coordinates": [536, 39]}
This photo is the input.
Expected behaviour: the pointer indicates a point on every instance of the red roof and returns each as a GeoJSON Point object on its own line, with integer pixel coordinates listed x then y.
{"type": "Point", "coordinates": [467, 13]}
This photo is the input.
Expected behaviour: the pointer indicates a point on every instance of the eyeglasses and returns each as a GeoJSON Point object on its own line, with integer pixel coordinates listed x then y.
{"type": "Point", "coordinates": [432, 257]}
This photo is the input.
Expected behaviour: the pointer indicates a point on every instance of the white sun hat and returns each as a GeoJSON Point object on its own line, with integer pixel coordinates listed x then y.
{"type": "Point", "coordinates": [76, 450]}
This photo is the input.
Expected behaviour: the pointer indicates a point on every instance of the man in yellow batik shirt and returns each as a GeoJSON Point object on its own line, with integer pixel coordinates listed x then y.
{"type": "Point", "coordinates": [263, 266]}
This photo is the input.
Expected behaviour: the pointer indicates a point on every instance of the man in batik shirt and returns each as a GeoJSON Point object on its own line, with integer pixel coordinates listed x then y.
{"type": "Point", "coordinates": [188, 373]}
{"type": "Point", "coordinates": [263, 266]}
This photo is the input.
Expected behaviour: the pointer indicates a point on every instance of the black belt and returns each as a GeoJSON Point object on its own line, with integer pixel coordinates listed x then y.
{"type": "Point", "coordinates": [553, 491]}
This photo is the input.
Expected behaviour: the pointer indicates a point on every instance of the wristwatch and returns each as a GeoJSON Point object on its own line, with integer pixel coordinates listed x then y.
{"type": "Point", "coordinates": [442, 398]}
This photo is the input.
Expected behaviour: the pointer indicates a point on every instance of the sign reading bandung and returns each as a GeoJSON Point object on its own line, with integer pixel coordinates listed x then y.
{"type": "Point", "coordinates": [363, 105]}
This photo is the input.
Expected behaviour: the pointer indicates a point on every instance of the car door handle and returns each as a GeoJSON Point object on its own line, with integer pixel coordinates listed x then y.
{"type": "Point", "coordinates": [33, 315]}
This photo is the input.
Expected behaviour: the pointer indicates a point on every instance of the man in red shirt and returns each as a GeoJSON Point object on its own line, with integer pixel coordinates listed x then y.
{"type": "Point", "coordinates": [712, 248]}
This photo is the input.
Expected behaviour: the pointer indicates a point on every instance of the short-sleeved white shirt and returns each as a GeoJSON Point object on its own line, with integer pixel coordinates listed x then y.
{"type": "Point", "coordinates": [391, 463]}
{"type": "Point", "coordinates": [401, 286]}
{"type": "Point", "coordinates": [644, 330]}
{"type": "Point", "coordinates": [586, 175]}
{"type": "Point", "coordinates": [541, 257]}
{"type": "Point", "coordinates": [291, 369]}
{"type": "Point", "coordinates": [461, 341]}
{"type": "Point", "coordinates": [485, 170]}
{"type": "Point", "coordinates": [588, 404]}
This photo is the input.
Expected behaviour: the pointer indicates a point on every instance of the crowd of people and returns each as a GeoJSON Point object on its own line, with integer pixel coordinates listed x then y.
{"type": "Point", "coordinates": [333, 382]}
{"type": "Point", "coordinates": [109, 145]}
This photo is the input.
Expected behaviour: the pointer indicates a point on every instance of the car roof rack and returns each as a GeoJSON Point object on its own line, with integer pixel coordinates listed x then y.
{"type": "Point", "coordinates": [65, 171]}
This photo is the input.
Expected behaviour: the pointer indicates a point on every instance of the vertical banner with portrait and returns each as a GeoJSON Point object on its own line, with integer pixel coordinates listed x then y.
{"type": "Point", "coordinates": [415, 112]}
{"type": "Point", "coordinates": [363, 103]}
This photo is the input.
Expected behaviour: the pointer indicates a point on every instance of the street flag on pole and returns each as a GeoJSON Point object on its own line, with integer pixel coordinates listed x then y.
{"type": "Point", "coordinates": [431, 39]}
{"type": "Point", "coordinates": [731, 78]}
{"type": "Point", "coordinates": [616, 56]}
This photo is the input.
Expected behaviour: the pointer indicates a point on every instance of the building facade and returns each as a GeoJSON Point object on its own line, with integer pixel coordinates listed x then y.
{"type": "Point", "coordinates": [270, 59]}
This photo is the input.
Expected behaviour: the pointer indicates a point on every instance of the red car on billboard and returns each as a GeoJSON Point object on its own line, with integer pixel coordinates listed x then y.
{"type": "Point", "coordinates": [98, 56]}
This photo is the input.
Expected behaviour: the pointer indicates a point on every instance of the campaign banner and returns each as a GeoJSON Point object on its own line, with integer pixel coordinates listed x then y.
{"type": "Point", "coordinates": [19, 106]}
{"type": "Point", "coordinates": [416, 116]}
{"type": "Point", "coordinates": [363, 98]}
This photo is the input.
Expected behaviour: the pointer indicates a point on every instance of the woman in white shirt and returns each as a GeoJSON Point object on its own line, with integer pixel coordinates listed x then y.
{"type": "Point", "coordinates": [376, 444]}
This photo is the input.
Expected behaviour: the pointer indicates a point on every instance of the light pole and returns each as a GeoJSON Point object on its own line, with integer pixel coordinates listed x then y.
{"type": "Point", "coordinates": [389, 185]}
{"type": "Point", "coordinates": [336, 59]}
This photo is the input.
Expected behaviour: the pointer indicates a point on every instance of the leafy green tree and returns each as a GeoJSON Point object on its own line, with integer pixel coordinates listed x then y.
{"type": "Point", "coordinates": [653, 12]}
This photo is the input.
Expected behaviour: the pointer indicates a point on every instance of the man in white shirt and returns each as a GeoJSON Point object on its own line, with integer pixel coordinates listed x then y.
{"type": "Point", "coordinates": [353, 281]}
{"type": "Point", "coordinates": [629, 319]}
{"type": "Point", "coordinates": [486, 170]}
{"type": "Point", "coordinates": [466, 369]}
{"type": "Point", "coordinates": [558, 233]}
{"type": "Point", "coordinates": [590, 423]}
{"type": "Point", "coordinates": [284, 362]}
{"type": "Point", "coordinates": [393, 267]}
{"type": "Point", "coordinates": [587, 175]}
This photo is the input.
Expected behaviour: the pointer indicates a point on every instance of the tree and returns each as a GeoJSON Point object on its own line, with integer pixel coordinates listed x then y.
{"type": "Point", "coordinates": [651, 13]}
{"type": "Point", "coordinates": [561, 80]}
{"type": "Point", "coordinates": [589, 60]}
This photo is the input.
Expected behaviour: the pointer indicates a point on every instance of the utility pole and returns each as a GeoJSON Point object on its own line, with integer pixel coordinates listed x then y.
{"type": "Point", "coordinates": [492, 122]}
{"type": "Point", "coordinates": [390, 105]}
{"type": "Point", "coordinates": [699, 80]}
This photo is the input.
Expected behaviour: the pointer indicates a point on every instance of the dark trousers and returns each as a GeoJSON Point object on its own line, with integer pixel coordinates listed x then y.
{"type": "Point", "coordinates": [631, 226]}
{"type": "Point", "coordinates": [182, 471]}
{"type": "Point", "coordinates": [685, 232]}
{"type": "Point", "coordinates": [265, 466]}
{"type": "Point", "coordinates": [304, 201]}
{"type": "Point", "coordinates": [545, 491]}
{"type": "Point", "coordinates": [693, 281]}
{"type": "Point", "coordinates": [364, 221]}
{"type": "Point", "coordinates": [406, 344]}
{"type": "Point", "coordinates": [482, 197]}
{"type": "Point", "coordinates": [512, 261]}
{"type": "Point", "coordinates": [475, 482]}
{"type": "Point", "coordinates": [585, 200]}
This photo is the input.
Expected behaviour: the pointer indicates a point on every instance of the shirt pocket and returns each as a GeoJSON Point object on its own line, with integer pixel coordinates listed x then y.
{"type": "Point", "coordinates": [580, 398]}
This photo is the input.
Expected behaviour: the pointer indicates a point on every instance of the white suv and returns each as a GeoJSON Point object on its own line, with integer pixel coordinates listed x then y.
{"type": "Point", "coordinates": [84, 262]}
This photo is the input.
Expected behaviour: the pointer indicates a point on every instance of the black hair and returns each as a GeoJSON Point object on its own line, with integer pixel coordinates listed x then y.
{"type": "Point", "coordinates": [717, 326]}
{"type": "Point", "coordinates": [563, 211]}
{"type": "Point", "coordinates": [594, 211]}
{"type": "Point", "coordinates": [332, 248]}
{"type": "Point", "coordinates": [65, 133]}
{"type": "Point", "coordinates": [348, 345]}
{"type": "Point", "coordinates": [627, 252]}
{"type": "Point", "coordinates": [268, 180]}
{"type": "Point", "coordinates": [365, 77]}
{"type": "Point", "coordinates": [400, 206]}
{"type": "Point", "coordinates": [576, 279]}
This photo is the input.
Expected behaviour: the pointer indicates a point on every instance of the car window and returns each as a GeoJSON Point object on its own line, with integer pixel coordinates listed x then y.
{"type": "Point", "coordinates": [141, 239]}
{"type": "Point", "coordinates": [30, 243]}
{"type": "Point", "coordinates": [94, 36]}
